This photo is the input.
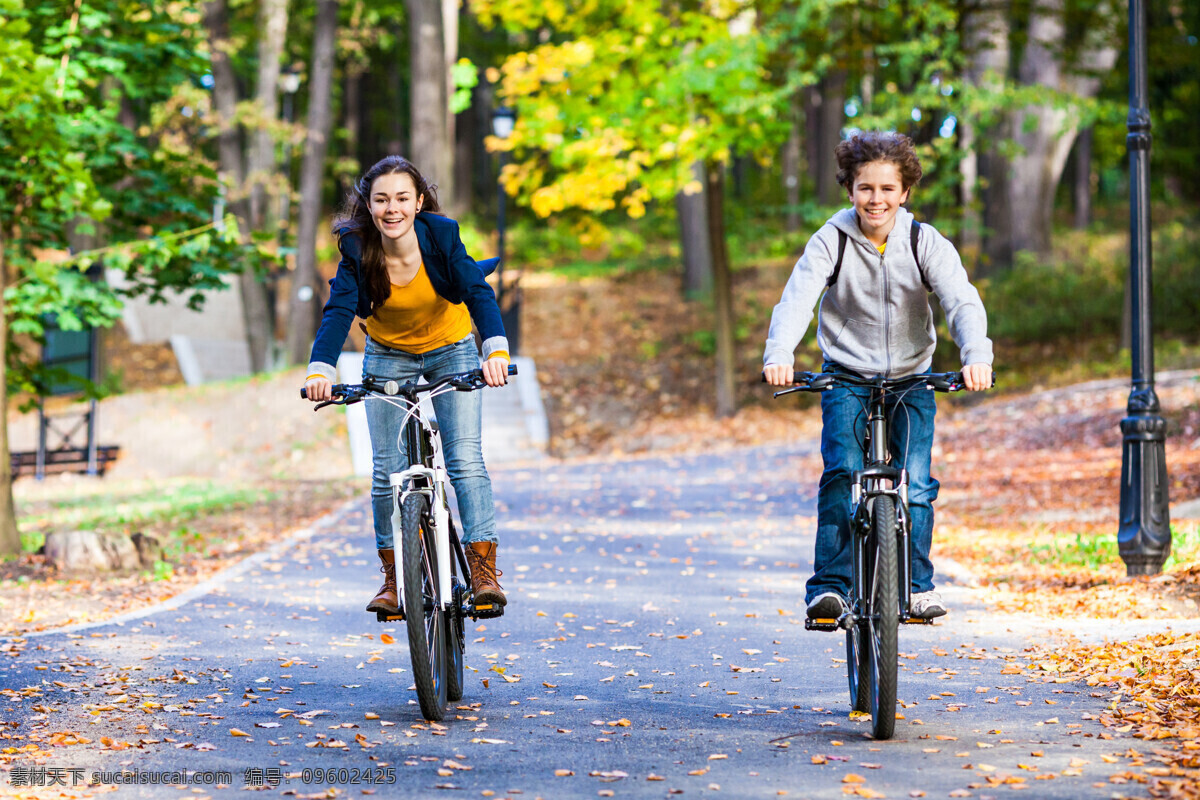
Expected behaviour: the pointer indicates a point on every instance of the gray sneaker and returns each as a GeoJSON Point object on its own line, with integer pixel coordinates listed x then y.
{"type": "Point", "coordinates": [927, 605]}
{"type": "Point", "coordinates": [827, 605]}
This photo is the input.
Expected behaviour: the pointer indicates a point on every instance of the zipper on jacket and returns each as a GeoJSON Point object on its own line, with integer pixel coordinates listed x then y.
{"type": "Point", "coordinates": [887, 317]}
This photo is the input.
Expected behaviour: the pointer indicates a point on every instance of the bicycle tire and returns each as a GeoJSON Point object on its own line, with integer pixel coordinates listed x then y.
{"type": "Point", "coordinates": [884, 618]}
{"type": "Point", "coordinates": [423, 608]}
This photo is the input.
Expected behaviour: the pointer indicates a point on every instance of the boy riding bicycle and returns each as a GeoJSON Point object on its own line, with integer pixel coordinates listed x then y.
{"type": "Point", "coordinates": [877, 267]}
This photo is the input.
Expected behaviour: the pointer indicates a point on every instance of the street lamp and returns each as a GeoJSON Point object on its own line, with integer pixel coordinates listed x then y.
{"type": "Point", "coordinates": [504, 119]}
{"type": "Point", "coordinates": [1144, 535]}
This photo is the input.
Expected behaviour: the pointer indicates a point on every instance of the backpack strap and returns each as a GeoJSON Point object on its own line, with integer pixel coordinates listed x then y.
{"type": "Point", "coordinates": [913, 236]}
{"type": "Point", "coordinates": [837, 267]}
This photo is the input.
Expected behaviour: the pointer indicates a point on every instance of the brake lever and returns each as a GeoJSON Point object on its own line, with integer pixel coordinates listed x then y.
{"type": "Point", "coordinates": [782, 392]}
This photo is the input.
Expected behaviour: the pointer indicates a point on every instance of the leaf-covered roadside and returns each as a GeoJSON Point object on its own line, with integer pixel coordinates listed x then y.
{"type": "Point", "coordinates": [1155, 696]}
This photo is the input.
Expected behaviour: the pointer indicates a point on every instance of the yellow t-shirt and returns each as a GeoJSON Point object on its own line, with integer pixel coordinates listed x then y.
{"type": "Point", "coordinates": [416, 319]}
{"type": "Point", "coordinates": [881, 247]}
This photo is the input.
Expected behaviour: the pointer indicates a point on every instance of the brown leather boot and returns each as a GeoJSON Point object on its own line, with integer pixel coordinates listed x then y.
{"type": "Point", "coordinates": [386, 600]}
{"type": "Point", "coordinates": [481, 558]}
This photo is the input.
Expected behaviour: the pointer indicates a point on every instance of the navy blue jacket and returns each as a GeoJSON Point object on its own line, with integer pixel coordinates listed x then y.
{"type": "Point", "coordinates": [453, 273]}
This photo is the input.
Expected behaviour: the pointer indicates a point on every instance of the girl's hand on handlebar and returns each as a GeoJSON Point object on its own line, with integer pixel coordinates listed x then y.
{"type": "Point", "coordinates": [779, 374]}
{"type": "Point", "coordinates": [977, 377]}
{"type": "Point", "coordinates": [495, 371]}
{"type": "Point", "coordinates": [319, 389]}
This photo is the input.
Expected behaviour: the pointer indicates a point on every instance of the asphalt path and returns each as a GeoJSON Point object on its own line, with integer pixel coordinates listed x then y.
{"type": "Point", "coordinates": [653, 646]}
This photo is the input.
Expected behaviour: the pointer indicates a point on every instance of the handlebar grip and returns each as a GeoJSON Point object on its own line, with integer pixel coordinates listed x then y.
{"type": "Point", "coordinates": [303, 392]}
{"type": "Point", "coordinates": [512, 369]}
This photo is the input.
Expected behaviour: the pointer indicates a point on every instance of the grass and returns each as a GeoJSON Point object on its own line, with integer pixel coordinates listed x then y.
{"type": "Point", "coordinates": [1096, 552]}
{"type": "Point", "coordinates": [131, 504]}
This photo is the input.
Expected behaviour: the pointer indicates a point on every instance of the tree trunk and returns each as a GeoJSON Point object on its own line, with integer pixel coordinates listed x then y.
{"type": "Point", "coordinates": [449, 189]}
{"type": "Point", "coordinates": [722, 292]}
{"type": "Point", "coordinates": [302, 311]}
{"type": "Point", "coordinates": [255, 309]}
{"type": "Point", "coordinates": [352, 124]}
{"type": "Point", "coordinates": [983, 170]}
{"type": "Point", "coordinates": [1045, 133]}
{"type": "Point", "coordinates": [826, 112]}
{"type": "Point", "coordinates": [429, 146]}
{"type": "Point", "coordinates": [694, 239]}
{"type": "Point", "coordinates": [792, 167]}
{"type": "Point", "coordinates": [985, 37]}
{"type": "Point", "coordinates": [1081, 189]}
{"type": "Point", "coordinates": [10, 538]}
{"type": "Point", "coordinates": [263, 165]}
{"type": "Point", "coordinates": [225, 98]}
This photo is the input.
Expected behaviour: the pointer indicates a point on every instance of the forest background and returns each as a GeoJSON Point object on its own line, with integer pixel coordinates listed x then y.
{"type": "Point", "coordinates": [684, 145]}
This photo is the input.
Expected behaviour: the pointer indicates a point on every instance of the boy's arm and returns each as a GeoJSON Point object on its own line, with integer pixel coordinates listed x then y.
{"type": "Point", "coordinates": [794, 311]}
{"type": "Point", "coordinates": [964, 309]}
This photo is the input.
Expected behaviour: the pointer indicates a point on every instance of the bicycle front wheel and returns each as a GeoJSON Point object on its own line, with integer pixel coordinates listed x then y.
{"type": "Point", "coordinates": [884, 618]}
{"type": "Point", "coordinates": [423, 607]}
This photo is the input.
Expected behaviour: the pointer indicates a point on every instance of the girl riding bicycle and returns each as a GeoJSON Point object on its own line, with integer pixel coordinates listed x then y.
{"type": "Point", "coordinates": [405, 271]}
{"type": "Point", "coordinates": [877, 267]}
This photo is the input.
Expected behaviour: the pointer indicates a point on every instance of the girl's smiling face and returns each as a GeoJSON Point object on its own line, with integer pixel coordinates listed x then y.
{"type": "Point", "coordinates": [877, 194]}
{"type": "Point", "coordinates": [394, 204]}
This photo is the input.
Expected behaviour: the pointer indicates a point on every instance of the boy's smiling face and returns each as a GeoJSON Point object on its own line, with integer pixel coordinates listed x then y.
{"type": "Point", "coordinates": [877, 194]}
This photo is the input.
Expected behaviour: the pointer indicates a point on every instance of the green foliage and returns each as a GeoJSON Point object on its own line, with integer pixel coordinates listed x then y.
{"type": "Point", "coordinates": [1081, 295]}
{"type": "Point", "coordinates": [1091, 552]}
{"type": "Point", "coordinates": [614, 110]}
{"type": "Point", "coordinates": [100, 126]}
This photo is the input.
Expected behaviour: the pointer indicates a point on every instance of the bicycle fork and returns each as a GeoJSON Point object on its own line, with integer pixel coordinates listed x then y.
{"type": "Point", "coordinates": [431, 482]}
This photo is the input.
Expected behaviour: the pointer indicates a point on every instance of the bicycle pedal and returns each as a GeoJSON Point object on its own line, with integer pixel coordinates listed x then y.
{"type": "Point", "coordinates": [820, 624]}
{"type": "Point", "coordinates": [916, 621]}
{"type": "Point", "coordinates": [384, 616]}
{"type": "Point", "coordinates": [485, 611]}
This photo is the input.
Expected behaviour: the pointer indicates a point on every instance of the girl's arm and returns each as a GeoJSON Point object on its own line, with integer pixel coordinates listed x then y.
{"type": "Point", "coordinates": [339, 311]}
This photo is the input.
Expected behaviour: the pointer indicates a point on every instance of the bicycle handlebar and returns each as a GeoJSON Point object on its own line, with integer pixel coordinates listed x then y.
{"type": "Point", "coordinates": [347, 393]}
{"type": "Point", "coordinates": [820, 381]}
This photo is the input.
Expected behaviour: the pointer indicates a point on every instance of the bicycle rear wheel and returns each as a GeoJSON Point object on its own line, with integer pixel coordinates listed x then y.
{"type": "Point", "coordinates": [884, 619]}
{"type": "Point", "coordinates": [423, 607]}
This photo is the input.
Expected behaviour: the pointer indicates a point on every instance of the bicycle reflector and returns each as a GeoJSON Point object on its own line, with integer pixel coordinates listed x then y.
{"type": "Point", "coordinates": [391, 387]}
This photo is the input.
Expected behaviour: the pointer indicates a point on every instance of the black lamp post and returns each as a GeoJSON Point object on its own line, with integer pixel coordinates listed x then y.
{"type": "Point", "coordinates": [1144, 537]}
{"type": "Point", "coordinates": [503, 121]}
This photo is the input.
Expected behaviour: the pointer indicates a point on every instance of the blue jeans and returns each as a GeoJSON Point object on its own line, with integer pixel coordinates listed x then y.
{"type": "Point", "coordinates": [910, 442]}
{"type": "Point", "coordinates": [460, 419]}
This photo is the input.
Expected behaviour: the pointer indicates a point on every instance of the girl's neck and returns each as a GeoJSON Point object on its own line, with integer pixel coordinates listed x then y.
{"type": "Point", "coordinates": [404, 249]}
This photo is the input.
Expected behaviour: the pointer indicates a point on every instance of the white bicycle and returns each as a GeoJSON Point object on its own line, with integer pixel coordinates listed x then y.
{"type": "Point", "coordinates": [432, 577]}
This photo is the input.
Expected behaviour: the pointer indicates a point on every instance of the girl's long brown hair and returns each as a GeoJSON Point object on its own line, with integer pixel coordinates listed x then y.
{"type": "Point", "coordinates": [355, 217]}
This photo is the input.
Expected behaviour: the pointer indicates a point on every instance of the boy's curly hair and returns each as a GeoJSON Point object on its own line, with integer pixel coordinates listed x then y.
{"type": "Point", "coordinates": [867, 146]}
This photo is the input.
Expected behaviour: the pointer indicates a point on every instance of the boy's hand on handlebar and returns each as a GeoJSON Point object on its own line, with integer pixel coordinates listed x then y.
{"type": "Point", "coordinates": [977, 377]}
{"type": "Point", "coordinates": [319, 389]}
{"type": "Point", "coordinates": [778, 374]}
{"type": "Point", "coordinates": [495, 371]}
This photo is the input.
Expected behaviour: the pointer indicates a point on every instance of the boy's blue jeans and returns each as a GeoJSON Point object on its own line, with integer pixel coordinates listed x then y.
{"type": "Point", "coordinates": [460, 420]}
{"type": "Point", "coordinates": [911, 442]}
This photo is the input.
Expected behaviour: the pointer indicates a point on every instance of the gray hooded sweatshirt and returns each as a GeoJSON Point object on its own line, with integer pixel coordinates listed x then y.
{"type": "Point", "coordinates": [876, 318]}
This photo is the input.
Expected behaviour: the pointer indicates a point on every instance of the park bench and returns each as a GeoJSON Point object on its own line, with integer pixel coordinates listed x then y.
{"type": "Point", "coordinates": [72, 459]}
{"type": "Point", "coordinates": [65, 454]}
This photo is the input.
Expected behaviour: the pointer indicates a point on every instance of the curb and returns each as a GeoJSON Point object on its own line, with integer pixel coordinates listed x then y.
{"type": "Point", "coordinates": [206, 586]}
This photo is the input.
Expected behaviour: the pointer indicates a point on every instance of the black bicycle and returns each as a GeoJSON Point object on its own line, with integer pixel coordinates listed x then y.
{"type": "Point", "coordinates": [881, 589]}
{"type": "Point", "coordinates": [432, 577]}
